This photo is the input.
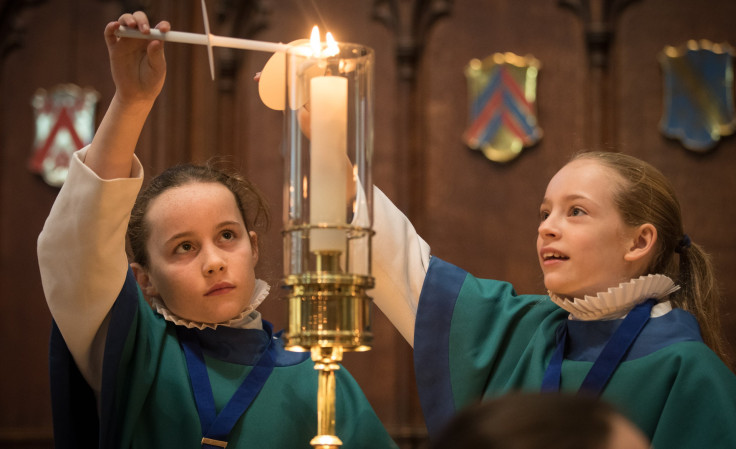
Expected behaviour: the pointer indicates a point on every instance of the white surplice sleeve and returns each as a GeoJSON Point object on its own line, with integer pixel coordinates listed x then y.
{"type": "Point", "coordinates": [81, 255]}
{"type": "Point", "coordinates": [400, 262]}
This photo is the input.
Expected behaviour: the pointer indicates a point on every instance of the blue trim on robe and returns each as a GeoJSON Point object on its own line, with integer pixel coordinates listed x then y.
{"type": "Point", "coordinates": [244, 346]}
{"type": "Point", "coordinates": [432, 340]}
{"type": "Point", "coordinates": [73, 403]}
{"type": "Point", "coordinates": [123, 315]}
{"type": "Point", "coordinates": [586, 339]}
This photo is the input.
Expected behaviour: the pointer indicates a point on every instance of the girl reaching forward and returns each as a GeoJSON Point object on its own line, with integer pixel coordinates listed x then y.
{"type": "Point", "coordinates": [180, 358]}
{"type": "Point", "coordinates": [631, 313]}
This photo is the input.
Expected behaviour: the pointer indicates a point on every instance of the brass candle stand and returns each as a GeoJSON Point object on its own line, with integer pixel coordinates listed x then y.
{"type": "Point", "coordinates": [328, 143]}
{"type": "Point", "coordinates": [329, 313]}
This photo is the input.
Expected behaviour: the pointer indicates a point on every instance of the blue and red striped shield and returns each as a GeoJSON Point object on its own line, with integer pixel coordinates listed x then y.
{"type": "Point", "coordinates": [698, 93]}
{"type": "Point", "coordinates": [502, 93]}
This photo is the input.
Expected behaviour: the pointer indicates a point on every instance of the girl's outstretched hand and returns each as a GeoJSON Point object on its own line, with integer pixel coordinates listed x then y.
{"type": "Point", "coordinates": [138, 66]}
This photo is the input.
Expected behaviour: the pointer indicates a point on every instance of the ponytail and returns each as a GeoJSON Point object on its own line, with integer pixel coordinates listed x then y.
{"type": "Point", "coordinates": [646, 196]}
{"type": "Point", "coordinates": [699, 294]}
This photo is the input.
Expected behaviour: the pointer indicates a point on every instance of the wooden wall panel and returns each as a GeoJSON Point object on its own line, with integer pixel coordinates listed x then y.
{"type": "Point", "coordinates": [62, 43]}
{"type": "Point", "coordinates": [483, 214]}
{"type": "Point", "coordinates": [704, 181]}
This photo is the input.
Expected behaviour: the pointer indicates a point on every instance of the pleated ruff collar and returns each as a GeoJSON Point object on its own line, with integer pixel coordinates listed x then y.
{"type": "Point", "coordinates": [247, 319]}
{"type": "Point", "coordinates": [618, 301]}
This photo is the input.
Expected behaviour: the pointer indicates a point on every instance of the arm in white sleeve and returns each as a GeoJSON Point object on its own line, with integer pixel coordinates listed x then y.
{"type": "Point", "coordinates": [81, 256]}
{"type": "Point", "coordinates": [400, 262]}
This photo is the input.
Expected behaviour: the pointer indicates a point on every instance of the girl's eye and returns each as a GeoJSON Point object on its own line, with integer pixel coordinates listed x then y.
{"type": "Point", "coordinates": [228, 235]}
{"type": "Point", "coordinates": [184, 248]}
{"type": "Point", "coordinates": [543, 215]}
{"type": "Point", "coordinates": [576, 211]}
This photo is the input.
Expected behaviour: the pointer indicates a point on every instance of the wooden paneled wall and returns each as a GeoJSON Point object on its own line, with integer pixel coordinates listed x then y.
{"type": "Point", "coordinates": [600, 86]}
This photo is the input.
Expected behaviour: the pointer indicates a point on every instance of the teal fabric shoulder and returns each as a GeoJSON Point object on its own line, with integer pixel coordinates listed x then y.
{"type": "Point", "coordinates": [680, 396]}
{"type": "Point", "coordinates": [476, 338]}
{"type": "Point", "coordinates": [499, 340]}
{"type": "Point", "coordinates": [154, 406]}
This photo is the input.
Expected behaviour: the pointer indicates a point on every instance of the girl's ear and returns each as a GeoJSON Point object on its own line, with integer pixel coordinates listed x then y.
{"type": "Point", "coordinates": [642, 243]}
{"type": "Point", "coordinates": [254, 245]}
{"type": "Point", "coordinates": [144, 280]}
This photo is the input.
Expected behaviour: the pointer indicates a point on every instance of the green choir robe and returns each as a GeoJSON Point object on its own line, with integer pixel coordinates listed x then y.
{"type": "Point", "coordinates": [476, 338]}
{"type": "Point", "coordinates": [147, 401]}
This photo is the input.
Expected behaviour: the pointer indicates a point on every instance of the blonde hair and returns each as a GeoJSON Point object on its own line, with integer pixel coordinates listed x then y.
{"type": "Point", "coordinates": [646, 196]}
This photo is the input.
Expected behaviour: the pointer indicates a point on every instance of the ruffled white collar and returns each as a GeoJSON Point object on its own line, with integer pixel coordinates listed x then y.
{"type": "Point", "coordinates": [617, 301]}
{"type": "Point", "coordinates": [247, 319]}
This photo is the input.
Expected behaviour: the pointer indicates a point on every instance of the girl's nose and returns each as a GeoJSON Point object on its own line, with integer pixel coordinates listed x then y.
{"type": "Point", "coordinates": [213, 268]}
{"type": "Point", "coordinates": [213, 263]}
{"type": "Point", "coordinates": [547, 228]}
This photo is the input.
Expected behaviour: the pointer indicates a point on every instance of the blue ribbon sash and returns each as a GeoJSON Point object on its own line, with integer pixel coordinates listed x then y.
{"type": "Point", "coordinates": [216, 427]}
{"type": "Point", "coordinates": [608, 360]}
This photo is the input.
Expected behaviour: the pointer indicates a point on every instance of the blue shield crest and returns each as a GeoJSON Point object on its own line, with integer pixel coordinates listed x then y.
{"type": "Point", "coordinates": [698, 94]}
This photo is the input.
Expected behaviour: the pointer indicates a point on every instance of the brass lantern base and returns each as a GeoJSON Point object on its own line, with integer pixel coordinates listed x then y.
{"type": "Point", "coordinates": [328, 310]}
{"type": "Point", "coordinates": [329, 313]}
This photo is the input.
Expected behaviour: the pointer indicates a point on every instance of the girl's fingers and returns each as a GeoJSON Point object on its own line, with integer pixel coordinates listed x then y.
{"type": "Point", "coordinates": [138, 20]}
{"type": "Point", "coordinates": [110, 29]}
{"type": "Point", "coordinates": [142, 20]}
{"type": "Point", "coordinates": [163, 26]}
{"type": "Point", "coordinates": [127, 20]}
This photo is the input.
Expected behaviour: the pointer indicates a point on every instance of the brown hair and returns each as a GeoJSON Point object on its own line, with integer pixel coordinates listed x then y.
{"type": "Point", "coordinates": [646, 196]}
{"type": "Point", "coordinates": [530, 421]}
{"type": "Point", "coordinates": [251, 203]}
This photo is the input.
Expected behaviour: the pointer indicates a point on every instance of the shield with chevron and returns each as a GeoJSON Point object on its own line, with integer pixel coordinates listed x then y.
{"type": "Point", "coordinates": [65, 120]}
{"type": "Point", "coordinates": [502, 94]}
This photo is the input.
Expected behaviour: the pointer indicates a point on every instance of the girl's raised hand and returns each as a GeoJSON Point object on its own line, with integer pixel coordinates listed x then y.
{"type": "Point", "coordinates": [138, 66]}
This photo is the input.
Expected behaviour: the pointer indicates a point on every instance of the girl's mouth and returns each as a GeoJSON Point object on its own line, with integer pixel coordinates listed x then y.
{"type": "Point", "coordinates": [220, 289]}
{"type": "Point", "coordinates": [553, 255]}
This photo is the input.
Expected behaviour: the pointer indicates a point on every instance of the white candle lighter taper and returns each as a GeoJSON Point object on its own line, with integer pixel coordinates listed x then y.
{"type": "Point", "coordinates": [202, 39]}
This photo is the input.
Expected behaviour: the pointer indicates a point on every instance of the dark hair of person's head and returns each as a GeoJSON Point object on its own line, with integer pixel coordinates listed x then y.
{"type": "Point", "coordinates": [530, 421]}
{"type": "Point", "coordinates": [647, 196]}
{"type": "Point", "coordinates": [251, 203]}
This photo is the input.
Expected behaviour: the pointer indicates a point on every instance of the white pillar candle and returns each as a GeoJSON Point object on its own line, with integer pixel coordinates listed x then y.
{"type": "Point", "coordinates": [328, 108]}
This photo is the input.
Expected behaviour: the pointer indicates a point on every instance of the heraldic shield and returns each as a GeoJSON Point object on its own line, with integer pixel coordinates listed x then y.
{"type": "Point", "coordinates": [65, 122]}
{"type": "Point", "coordinates": [501, 95]}
{"type": "Point", "coordinates": [698, 93]}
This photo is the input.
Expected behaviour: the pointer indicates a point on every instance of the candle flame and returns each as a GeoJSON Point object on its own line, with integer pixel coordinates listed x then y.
{"type": "Point", "coordinates": [332, 48]}
{"type": "Point", "coordinates": [314, 41]}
